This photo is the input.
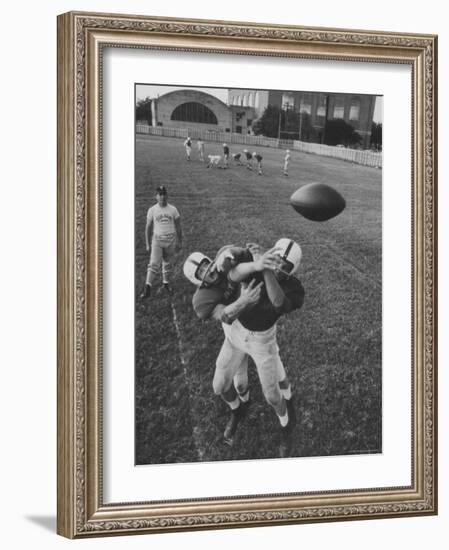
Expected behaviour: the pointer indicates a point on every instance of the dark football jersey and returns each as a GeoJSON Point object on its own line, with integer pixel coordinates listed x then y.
{"type": "Point", "coordinates": [264, 315]}
{"type": "Point", "coordinates": [206, 299]}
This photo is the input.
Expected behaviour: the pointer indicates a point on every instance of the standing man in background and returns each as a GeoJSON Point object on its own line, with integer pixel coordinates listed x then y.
{"type": "Point", "coordinates": [286, 162]}
{"type": "Point", "coordinates": [225, 155]}
{"type": "Point", "coordinates": [258, 158]}
{"type": "Point", "coordinates": [163, 230]}
{"type": "Point", "coordinates": [201, 149]}
{"type": "Point", "coordinates": [188, 147]}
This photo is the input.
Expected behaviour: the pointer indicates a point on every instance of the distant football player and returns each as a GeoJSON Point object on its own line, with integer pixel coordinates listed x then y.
{"type": "Point", "coordinates": [249, 159]}
{"type": "Point", "coordinates": [286, 162]}
{"type": "Point", "coordinates": [200, 145]}
{"type": "Point", "coordinates": [213, 160]}
{"type": "Point", "coordinates": [258, 157]}
{"type": "Point", "coordinates": [163, 231]}
{"type": "Point", "coordinates": [188, 147]}
{"type": "Point", "coordinates": [225, 155]}
{"type": "Point", "coordinates": [237, 158]}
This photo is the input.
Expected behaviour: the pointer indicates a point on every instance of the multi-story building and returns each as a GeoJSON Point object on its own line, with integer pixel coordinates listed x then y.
{"type": "Point", "coordinates": [313, 108]}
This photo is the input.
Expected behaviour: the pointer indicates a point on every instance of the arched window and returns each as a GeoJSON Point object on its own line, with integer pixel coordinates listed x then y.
{"type": "Point", "coordinates": [257, 101]}
{"type": "Point", "coordinates": [251, 100]}
{"type": "Point", "coordinates": [245, 100]}
{"type": "Point", "coordinates": [194, 112]}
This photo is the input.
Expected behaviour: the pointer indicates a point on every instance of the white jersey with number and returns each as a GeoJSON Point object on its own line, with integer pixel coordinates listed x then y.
{"type": "Point", "coordinates": [163, 218]}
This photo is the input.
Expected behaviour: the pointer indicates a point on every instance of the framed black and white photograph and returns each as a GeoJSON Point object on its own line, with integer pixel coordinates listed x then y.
{"type": "Point", "coordinates": [247, 247]}
{"type": "Point", "coordinates": [300, 371]}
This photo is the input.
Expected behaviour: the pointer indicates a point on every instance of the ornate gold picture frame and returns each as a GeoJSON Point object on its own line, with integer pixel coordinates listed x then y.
{"type": "Point", "coordinates": [82, 41]}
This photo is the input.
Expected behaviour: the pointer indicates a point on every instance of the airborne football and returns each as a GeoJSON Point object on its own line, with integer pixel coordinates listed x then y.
{"type": "Point", "coordinates": [317, 202]}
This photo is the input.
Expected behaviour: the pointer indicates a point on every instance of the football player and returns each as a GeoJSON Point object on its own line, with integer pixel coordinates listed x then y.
{"type": "Point", "coordinates": [253, 334]}
{"type": "Point", "coordinates": [219, 296]}
{"type": "Point", "coordinates": [286, 162]}
{"type": "Point", "coordinates": [258, 158]}
{"type": "Point", "coordinates": [188, 147]}
{"type": "Point", "coordinates": [163, 230]}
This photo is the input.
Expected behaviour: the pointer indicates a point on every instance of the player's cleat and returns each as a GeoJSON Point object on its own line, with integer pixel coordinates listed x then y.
{"type": "Point", "coordinates": [231, 427]}
{"type": "Point", "coordinates": [146, 292]}
{"type": "Point", "coordinates": [285, 447]}
{"type": "Point", "coordinates": [168, 288]}
{"type": "Point", "coordinates": [291, 413]}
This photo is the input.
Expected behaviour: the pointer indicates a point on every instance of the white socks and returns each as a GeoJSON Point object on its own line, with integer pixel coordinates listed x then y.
{"type": "Point", "coordinates": [283, 419]}
{"type": "Point", "coordinates": [234, 404]}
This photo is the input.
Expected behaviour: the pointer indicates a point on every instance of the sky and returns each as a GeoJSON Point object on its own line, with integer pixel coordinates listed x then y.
{"type": "Point", "coordinates": [148, 90]}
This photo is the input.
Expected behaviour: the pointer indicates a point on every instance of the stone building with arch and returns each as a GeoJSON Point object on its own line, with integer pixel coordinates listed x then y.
{"type": "Point", "coordinates": [194, 109]}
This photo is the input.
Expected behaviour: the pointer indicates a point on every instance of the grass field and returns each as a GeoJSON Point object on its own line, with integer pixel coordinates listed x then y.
{"type": "Point", "coordinates": [331, 348]}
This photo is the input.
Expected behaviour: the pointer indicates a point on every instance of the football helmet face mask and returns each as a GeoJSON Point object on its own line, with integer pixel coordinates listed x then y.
{"type": "Point", "coordinates": [290, 253]}
{"type": "Point", "coordinates": [197, 269]}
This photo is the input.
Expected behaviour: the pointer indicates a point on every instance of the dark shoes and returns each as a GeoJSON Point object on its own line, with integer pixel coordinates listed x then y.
{"type": "Point", "coordinates": [285, 446]}
{"type": "Point", "coordinates": [168, 289]}
{"type": "Point", "coordinates": [146, 292]}
{"type": "Point", "coordinates": [237, 415]}
{"type": "Point", "coordinates": [291, 412]}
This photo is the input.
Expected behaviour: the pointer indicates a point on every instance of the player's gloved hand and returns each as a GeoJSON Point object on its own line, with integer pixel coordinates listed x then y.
{"type": "Point", "coordinates": [250, 294]}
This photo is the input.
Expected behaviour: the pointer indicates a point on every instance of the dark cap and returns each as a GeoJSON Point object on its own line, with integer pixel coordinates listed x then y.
{"type": "Point", "coordinates": [161, 190]}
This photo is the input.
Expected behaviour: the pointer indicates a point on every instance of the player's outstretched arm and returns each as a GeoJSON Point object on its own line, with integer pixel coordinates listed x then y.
{"type": "Point", "coordinates": [275, 293]}
{"type": "Point", "coordinates": [269, 260]}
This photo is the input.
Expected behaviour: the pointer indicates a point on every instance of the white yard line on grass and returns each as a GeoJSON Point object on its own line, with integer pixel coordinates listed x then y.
{"type": "Point", "coordinates": [196, 438]}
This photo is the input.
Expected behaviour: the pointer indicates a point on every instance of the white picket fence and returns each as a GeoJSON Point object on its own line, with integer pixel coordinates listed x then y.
{"type": "Point", "coordinates": [367, 158]}
{"type": "Point", "coordinates": [358, 156]}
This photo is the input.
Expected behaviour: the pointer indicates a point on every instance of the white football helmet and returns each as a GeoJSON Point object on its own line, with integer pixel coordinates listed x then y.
{"type": "Point", "coordinates": [191, 265]}
{"type": "Point", "coordinates": [291, 253]}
